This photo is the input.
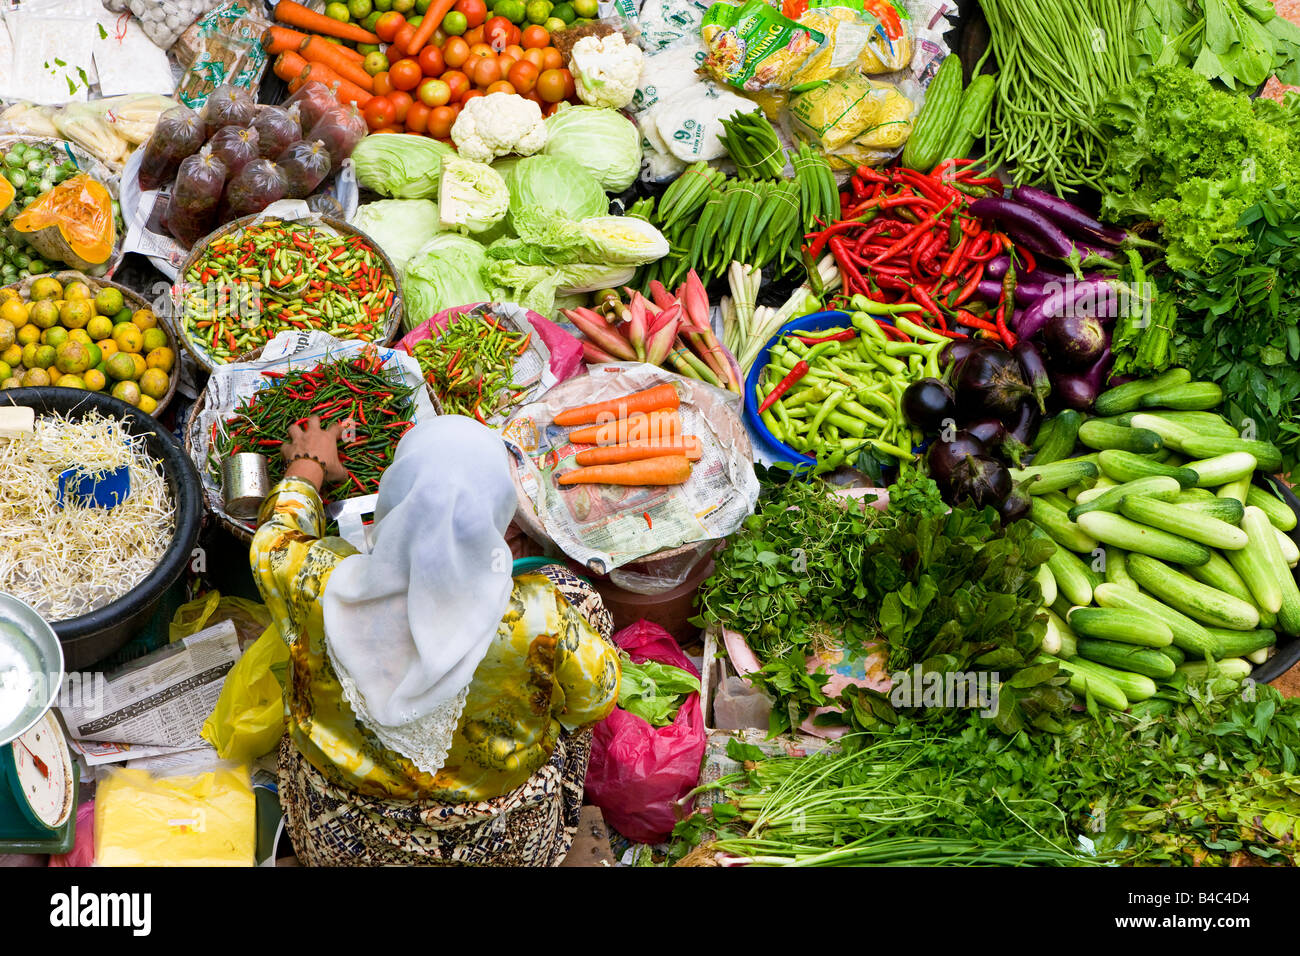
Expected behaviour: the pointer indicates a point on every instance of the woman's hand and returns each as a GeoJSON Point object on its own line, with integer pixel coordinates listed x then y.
{"type": "Point", "coordinates": [320, 444]}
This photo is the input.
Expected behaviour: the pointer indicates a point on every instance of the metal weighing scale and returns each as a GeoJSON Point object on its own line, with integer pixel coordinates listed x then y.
{"type": "Point", "coordinates": [38, 782]}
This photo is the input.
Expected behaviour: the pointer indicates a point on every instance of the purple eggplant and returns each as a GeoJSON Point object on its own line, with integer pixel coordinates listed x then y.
{"type": "Point", "coordinates": [1075, 341]}
{"type": "Point", "coordinates": [990, 431]}
{"type": "Point", "coordinates": [1014, 506]}
{"type": "Point", "coordinates": [957, 350]}
{"type": "Point", "coordinates": [927, 404]}
{"type": "Point", "coordinates": [983, 481]}
{"type": "Point", "coordinates": [1069, 217]}
{"type": "Point", "coordinates": [989, 380]}
{"type": "Point", "coordinates": [1022, 429]}
{"type": "Point", "coordinates": [1033, 229]}
{"type": "Point", "coordinates": [1096, 296]}
{"type": "Point", "coordinates": [1035, 369]}
{"type": "Point", "coordinates": [1080, 390]}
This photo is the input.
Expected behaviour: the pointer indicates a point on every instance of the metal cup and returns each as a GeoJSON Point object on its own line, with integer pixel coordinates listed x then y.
{"type": "Point", "coordinates": [245, 484]}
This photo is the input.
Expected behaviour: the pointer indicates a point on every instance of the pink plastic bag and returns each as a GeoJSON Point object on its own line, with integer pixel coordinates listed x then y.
{"type": "Point", "coordinates": [639, 772]}
{"type": "Point", "coordinates": [566, 352]}
{"type": "Point", "coordinates": [83, 847]}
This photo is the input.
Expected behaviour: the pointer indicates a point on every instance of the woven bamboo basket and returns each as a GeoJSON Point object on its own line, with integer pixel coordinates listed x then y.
{"type": "Point", "coordinates": [133, 300]}
{"type": "Point", "coordinates": [201, 353]}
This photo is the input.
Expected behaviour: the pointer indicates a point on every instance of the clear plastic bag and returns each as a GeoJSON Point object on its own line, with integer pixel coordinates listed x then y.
{"type": "Point", "coordinates": [276, 129]}
{"type": "Point", "coordinates": [179, 133]}
{"type": "Point", "coordinates": [192, 211]}
{"type": "Point", "coordinates": [255, 187]}
{"type": "Point", "coordinates": [229, 106]}
{"type": "Point", "coordinates": [313, 100]}
{"type": "Point", "coordinates": [235, 147]}
{"type": "Point", "coordinates": [340, 130]}
{"type": "Point", "coordinates": [306, 164]}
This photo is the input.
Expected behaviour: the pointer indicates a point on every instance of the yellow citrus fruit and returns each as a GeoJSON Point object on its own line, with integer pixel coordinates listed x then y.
{"type": "Point", "coordinates": [14, 311]}
{"type": "Point", "coordinates": [107, 347]}
{"type": "Point", "coordinates": [12, 355]}
{"type": "Point", "coordinates": [29, 334]}
{"type": "Point", "coordinates": [46, 287]}
{"type": "Point", "coordinates": [76, 290]}
{"type": "Point", "coordinates": [43, 314]}
{"type": "Point", "coordinates": [73, 358]}
{"type": "Point", "coordinates": [77, 313]}
{"type": "Point", "coordinates": [95, 379]}
{"type": "Point", "coordinates": [96, 356]}
{"type": "Point", "coordinates": [29, 354]}
{"type": "Point", "coordinates": [5, 370]}
{"type": "Point", "coordinates": [55, 336]}
{"type": "Point", "coordinates": [128, 392]}
{"type": "Point", "coordinates": [35, 377]}
{"type": "Point", "coordinates": [120, 367]}
{"type": "Point", "coordinates": [9, 293]}
{"type": "Point", "coordinates": [163, 358]}
{"type": "Point", "coordinates": [108, 301]}
{"type": "Point", "coordinates": [100, 327]}
{"type": "Point", "coordinates": [137, 360]}
{"type": "Point", "coordinates": [154, 383]}
{"type": "Point", "coordinates": [12, 382]}
{"type": "Point", "coordinates": [9, 334]}
{"type": "Point", "coordinates": [44, 356]}
{"type": "Point", "coordinates": [70, 381]}
{"type": "Point", "coordinates": [143, 319]}
{"type": "Point", "coordinates": [154, 339]}
{"type": "Point", "coordinates": [148, 405]}
{"type": "Point", "coordinates": [80, 335]}
{"type": "Point", "coordinates": [128, 338]}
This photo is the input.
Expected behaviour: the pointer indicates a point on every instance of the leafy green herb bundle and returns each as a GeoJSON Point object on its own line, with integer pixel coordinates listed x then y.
{"type": "Point", "coordinates": [1239, 43]}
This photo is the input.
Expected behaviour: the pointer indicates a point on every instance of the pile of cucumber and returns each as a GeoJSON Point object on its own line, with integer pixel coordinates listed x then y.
{"type": "Point", "coordinates": [1170, 556]}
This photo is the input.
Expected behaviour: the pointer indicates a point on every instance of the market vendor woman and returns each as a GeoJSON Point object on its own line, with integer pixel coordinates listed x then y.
{"type": "Point", "coordinates": [437, 707]}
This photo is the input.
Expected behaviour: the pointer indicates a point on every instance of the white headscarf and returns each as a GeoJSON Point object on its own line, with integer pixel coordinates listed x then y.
{"type": "Point", "coordinates": [407, 624]}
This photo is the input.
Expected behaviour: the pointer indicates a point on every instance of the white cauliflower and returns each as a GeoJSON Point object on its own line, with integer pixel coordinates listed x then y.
{"type": "Point", "coordinates": [496, 125]}
{"type": "Point", "coordinates": [606, 70]}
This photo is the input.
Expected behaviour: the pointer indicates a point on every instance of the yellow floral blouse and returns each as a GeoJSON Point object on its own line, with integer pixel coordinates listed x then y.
{"type": "Point", "coordinates": [546, 669]}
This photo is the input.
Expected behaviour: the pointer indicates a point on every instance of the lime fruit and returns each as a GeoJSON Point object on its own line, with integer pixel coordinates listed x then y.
{"type": "Point", "coordinates": [120, 367]}
{"type": "Point", "coordinates": [108, 301]}
{"type": "Point", "coordinates": [129, 392]}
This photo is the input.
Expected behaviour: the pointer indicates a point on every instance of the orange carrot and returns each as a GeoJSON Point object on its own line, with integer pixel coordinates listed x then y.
{"type": "Point", "coordinates": [344, 91]}
{"type": "Point", "coordinates": [278, 39]}
{"type": "Point", "coordinates": [289, 66]}
{"type": "Point", "coordinates": [318, 50]}
{"type": "Point", "coordinates": [296, 15]}
{"type": "Point", "coordinates": [432, 19]}
{"type": "Point", "coordinates": [636, 451]}
{"type": "Point", "coordinates": [661, 396]}
{"type": "Point", "coordinates": [663, 426]}
{"type": "Point", "coordinates": [670, 470]}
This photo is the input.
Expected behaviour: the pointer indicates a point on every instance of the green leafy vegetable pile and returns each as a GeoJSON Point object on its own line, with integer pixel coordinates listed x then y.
{"type": "Point", "coordinates": [654, 691]}
{"type": "Point", "coordinates": [1238, 43]}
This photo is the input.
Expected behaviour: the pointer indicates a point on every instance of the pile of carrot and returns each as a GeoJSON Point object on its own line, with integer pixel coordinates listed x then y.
{"type": "Point", "coordinates": [303, 57]}
{"type": "Point", "coordinates": [638, 437]}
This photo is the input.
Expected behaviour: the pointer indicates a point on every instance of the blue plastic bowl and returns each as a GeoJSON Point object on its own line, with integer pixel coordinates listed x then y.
{"type": "Point", "coordinates": [807, 323]}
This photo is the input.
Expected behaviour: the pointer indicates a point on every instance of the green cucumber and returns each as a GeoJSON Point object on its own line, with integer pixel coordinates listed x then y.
{"type": "Point", "coordinates": [1279, 513]}
{"type": "Point", "coordinates": [1075, 581]}
{"type": "Point", "coordinates": [1260, 563]}
{"type": "Point", "coordinates": [1210, 446]}
{"type": "Point", "coordinates": [1202, 423]}
{"type": "Point", "coordinates": [1058, 500]}
{"type": "Point", "coordinates": [1055, 476]}
{"type": "Point", "coordinates": [1152, 708]}
{"type": "Point", "coordinates": [1127, 397]}
{"type": "Point", "coordinates": [1191, 496]}
{"type": "Point", "coordinates": [1117, 568]}
{"type": "Point", "coordinates": [1126, 466]}
{"type": "Point", "coordinates": [1131, 536]}
{"type": "Point", "coordinates": [1059, 436]}
{"type": "Point", "coordinates": [1188, 634]}
{"type": "Point", "coordinates": [1288, 615]}
{"type": "Point", "coordinates": [1200, 602]}
{"type": "Point", "coordinates": [1224, 509]}
{"type": "Point", "coordinates": [1058, 527]}
{"type": "Point", "coordinates": [1174, 653]}
{"type": "Point", "coordinates": [1157, 486]}
{"type": "Point", "coordinates": [933, 126]}
{"type": "Point", "coordinates": [1119, 624]}
{"type": "Point", "coordinates": [1235, 490]}
{"type": "Point", "coordinates": [1133, 686]}
{"type": "Point", "coordinates": [1241, 643]}
{"type": "Point", "coordinates": [1087, 678]}
{"type": "Point", "coordinates": [1188, 397]}
{"type": "Point", "coordinates": [1046, 584]}
{"type": "Point", "coordinates": [1183, 520]}
{"type": "Point", "coordinates": [1099, 435]}
{"type": "Point", "coordinates": [1233, 668]}
{"type": "Point", "coordinates": [1059, 640]}
{"type": "Point", "coordinates": [1126, 657]}
{"type": "Point", "coordinates": [1223, 469]}
{"type": "Point", "coordinates": [1218, 573]}
{"type": "Point", "coordinates": [1172, 435]}
{"type": "Point", "coordinates": [1290, 552]}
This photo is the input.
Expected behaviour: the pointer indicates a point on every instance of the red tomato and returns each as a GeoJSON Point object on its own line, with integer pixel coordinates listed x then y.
{"type": "Point", "coordinates": [401, 104]}
{"type": "Point", "coordinates": [430, 60]}
{"type": "Point", "coordinates": [475, 11]}
{"type": "Point", "coordinates": [433, 93]}
{"type": "Point", "coordinates": [506, 62]}
{"type": "Point", "coordinates": [497, 32]}
{"type": "Point", "coordinates": [469, 95]}
{"type": "Point", "coordinates": [500, 86]}
{"type": "Point", "coordinates": [417, 118]}
{"type": "Point", "coordinates": [402, 40]}
{"type": "Point", "coordinates": [486, 71]}
{"type": "Point", "coordinates": [405, 74]}
{"type": "Point", "coordinates": [516, 35]}
{"type": "Point", "coordinates": [382, 84]}
{"type": "Point", "coordinates": [549, 109]}
{"type": "Point", "coordinates": [534, 57]}
{"type": "Point", "coordinates": [379, 113]}
{"type": "Point", "coordinates": [550, 86]}
{"type": "Point", "coordinates": [570, 87]}
{"type": "Point", "coordinates": [535, 37]}
{"type": "Point", "coordinates": [457, 83]}
{"type": "Point", "coordinates": [552, 59]}
{"type": "Point", "coordinates": [523, 77]}
{"type": "Point", "coordinates": [440, 120]}
{"type": "Point", "coordinates": [482, 50]}
{"type": "Point", "coordinates": [532, 95]}
{"type": "Point", "coordinates": [514, 50]}
{"type": "Point", "coordinates": [388, 24]}
{"type": "Point", "coordinates": [455, 53]}
{"type": "Point", "coordinates": [474, 36]}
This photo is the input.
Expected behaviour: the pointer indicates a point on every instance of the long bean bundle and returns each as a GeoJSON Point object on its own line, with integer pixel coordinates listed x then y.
{"type": "Point", "coordinates": [1057, 61]}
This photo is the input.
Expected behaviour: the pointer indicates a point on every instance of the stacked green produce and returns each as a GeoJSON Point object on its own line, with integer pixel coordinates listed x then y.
{"type": "Point", "coordinates": [1172, 557]}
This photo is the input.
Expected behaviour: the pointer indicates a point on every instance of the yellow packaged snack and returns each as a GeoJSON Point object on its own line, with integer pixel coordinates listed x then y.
{"type": "Point", "coordinates": [853, 109]}
{"type": "Point", "coordinates": [753, 47]}
{"type": "Point", "coordinates": [205, 820]}
{"type": "Point", "coordinates": [873, 35]}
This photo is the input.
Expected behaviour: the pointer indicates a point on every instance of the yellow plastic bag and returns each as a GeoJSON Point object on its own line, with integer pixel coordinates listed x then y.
{"type": "Point", "coordinates": [249, 617]}
{"type": "Point", "coordinates": [853, 109]}
{"type": "Point", "coordinates": [248, 720]}
{"type": "Point", "coordinates": [205, 820]}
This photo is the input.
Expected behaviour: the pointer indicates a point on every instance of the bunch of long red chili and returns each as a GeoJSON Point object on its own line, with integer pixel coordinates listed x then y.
{"type": "Point", "coordinates": [908, 237]}
{"type": "Point", "coordinates": [357, 389]}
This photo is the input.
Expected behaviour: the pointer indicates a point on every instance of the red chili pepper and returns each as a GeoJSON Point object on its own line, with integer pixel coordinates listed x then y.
{"type": "Point", "coordinates": [648, 523]}
{"type": "Point", "coordinates": [799, 371]}
{"type": "Point", "coordinates": [971, 285]}
{"type": "Point", "coordinates": [844, 336]}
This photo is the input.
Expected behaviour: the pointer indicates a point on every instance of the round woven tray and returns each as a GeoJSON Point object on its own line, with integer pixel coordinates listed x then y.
{"type": "Point", "coordinates": [240, 529]}
{"type": "Point", "coordinates": [133, 299]}
{"type": "Point", "coordinates": [176, 317]}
